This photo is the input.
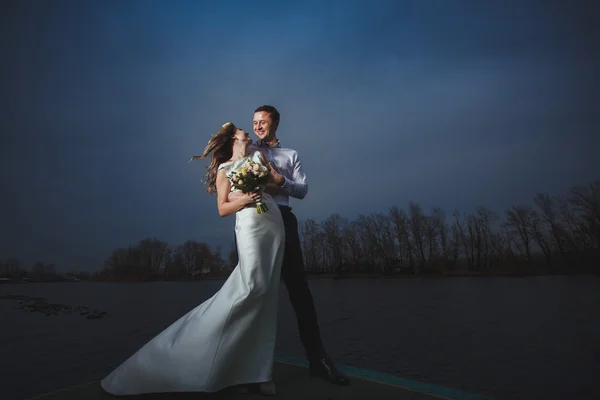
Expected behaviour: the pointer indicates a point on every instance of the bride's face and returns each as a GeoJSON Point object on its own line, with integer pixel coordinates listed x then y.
{"type": "Point", "coordinates": [242, 137]}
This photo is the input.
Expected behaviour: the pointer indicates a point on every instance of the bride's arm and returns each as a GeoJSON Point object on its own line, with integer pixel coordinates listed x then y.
{"type": "Point", "coordinates": [272, 188]}
{"type": "Point", "coordinates": [262, 158]}
{"type": "Point", "coordinates": [225, 206]}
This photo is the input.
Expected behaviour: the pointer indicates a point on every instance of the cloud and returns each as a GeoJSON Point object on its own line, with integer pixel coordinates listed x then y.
{"type": "Point", "coordinates": [449, 104]}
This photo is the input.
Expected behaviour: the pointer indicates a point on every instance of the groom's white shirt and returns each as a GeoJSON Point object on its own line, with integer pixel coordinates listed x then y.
{"type": "Point", "coordinates": [287, 162]}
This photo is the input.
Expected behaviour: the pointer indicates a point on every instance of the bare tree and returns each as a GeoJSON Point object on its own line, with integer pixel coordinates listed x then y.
{"type": "Point", "coordinates": [204, 260]}
{"type": "Point", "coordinates": [176, 268]}
{"type": "Point", "coordinates": [539, 230]}
{"type": "Point", "coordinates": [372, 247]}
{"type": "Point", "coordinates": [352, 247]}
{"type": "Point", "coordinates": [473, 240]}
{"type": "Point", "coordinates": [401, 227]}
{"type": "Point", "coordinates": [485, 219]}
{"type": "Point", "coordinates": [461, 235]}
{"type": "Point", "coordinates": [441, 225]}
{"type": "Point", "coordinates": [586, 202]}
{"type": "Point", "coordinates": [125, 263]}
{"type": "Point", "coordinates": [548, 205]}
{"type": "Point", "coordinates": [384, 230]}
{"type": "Point", "coordinates": [309, 231]}
{"type": "Point", "coordinates": [431, 234]}
{"type": "Point", "coordinates": [519, 221]}
{"type": "Point", "coordinates": [189, 254]}
{"type": "Point", "coordinates": [574, 227]}
{"type": "Point", "coordinates": [456, 240]}
{"type": "Point", "coordinates": [332, 228]}
{"type": "Point", "coordinates": [153, 254]}
{"type": "Point", "coordinates": [218, 264]}
{"type": "Point", "coordinates": [499, 251]}
{"type": "Point", "coordinates": [417, 222]}
{"type": "Point", "coordinates": [197, 258]}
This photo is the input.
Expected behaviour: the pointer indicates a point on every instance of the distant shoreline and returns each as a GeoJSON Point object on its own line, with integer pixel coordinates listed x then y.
{"type": "Point", "coordinates": [332, 276]}
{"type": "Point", "coordinates": [456, 274]}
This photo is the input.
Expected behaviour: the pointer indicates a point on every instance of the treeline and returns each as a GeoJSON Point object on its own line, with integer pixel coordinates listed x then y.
{"type": "Point", "coordinates": [39, 272]}
{"type": "Point", "coordinates": [155, 259]}
{"type": "Point", "coordinates": [557, 234]}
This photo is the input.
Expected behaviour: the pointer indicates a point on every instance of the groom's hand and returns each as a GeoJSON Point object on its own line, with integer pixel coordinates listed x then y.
{"type": "Point", "coordinates": [275, 176]}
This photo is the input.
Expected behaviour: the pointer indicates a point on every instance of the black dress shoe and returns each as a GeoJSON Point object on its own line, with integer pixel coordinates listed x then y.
{"type": "Point", "coordinates": [325, 368]}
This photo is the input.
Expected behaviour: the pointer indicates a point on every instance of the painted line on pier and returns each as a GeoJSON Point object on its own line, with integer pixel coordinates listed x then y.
{"type": "Point", "coordinates": [422, 387]}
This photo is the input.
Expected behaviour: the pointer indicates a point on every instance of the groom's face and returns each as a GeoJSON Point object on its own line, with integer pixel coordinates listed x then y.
{"type": "Point", "coordinates": [264, 126]}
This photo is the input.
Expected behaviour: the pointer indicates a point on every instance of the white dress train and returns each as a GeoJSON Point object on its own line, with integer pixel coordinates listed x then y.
{"type": "Point", "coordinates": [230, 338]}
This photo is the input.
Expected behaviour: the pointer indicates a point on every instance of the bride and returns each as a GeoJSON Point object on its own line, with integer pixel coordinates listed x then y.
{"type": "Point", "coordinates": [229, 339]}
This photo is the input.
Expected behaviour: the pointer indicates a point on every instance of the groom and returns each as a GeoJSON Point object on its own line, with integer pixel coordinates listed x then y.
{"type": "Point", "coordinates": [288, 180]}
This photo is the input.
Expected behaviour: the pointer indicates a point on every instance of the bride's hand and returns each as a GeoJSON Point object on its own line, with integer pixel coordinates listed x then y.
{"type": "Point", "coordinates": [275, 177]}
{"type": "Point", "coordinates": [252, 197]}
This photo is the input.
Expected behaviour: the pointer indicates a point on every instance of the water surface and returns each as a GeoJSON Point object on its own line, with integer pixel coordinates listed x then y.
{"type": "Point", "coordinates": [509, 338]}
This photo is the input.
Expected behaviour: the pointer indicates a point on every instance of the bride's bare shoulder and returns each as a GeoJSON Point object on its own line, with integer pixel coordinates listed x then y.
{"type": "Point", "coordinates": [261, 156]}
{"type": "Point", "coordinates": [224, 165]}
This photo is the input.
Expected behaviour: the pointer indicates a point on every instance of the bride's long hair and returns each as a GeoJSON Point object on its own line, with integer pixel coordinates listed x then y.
{"type": "Point", "coordinates": [220, 146]}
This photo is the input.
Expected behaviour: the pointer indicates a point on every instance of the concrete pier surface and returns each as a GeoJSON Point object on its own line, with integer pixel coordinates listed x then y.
{"type": "Point", "coordinates": [294, 383]}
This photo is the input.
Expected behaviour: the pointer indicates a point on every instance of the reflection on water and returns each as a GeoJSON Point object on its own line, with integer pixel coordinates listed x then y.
{"type": "Point", "coordinates": [41, 305]}
{"type": "Point", "coordinates": [509, 338]}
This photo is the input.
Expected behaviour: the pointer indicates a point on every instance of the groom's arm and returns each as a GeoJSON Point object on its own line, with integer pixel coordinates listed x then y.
{"type": "Point", "coordinates": [296, 185]}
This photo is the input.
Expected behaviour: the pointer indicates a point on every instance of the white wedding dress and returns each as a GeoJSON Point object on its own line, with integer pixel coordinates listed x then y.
{"type": "Point", "coordinates": [230, 338]}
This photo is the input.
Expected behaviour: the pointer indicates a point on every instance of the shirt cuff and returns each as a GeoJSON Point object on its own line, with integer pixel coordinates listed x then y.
{"type": "Point", "coordinates": [286, 183]}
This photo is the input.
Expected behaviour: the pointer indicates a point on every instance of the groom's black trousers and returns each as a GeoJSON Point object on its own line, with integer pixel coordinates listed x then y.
{"type": "Point", "coordinates": [294, 277]}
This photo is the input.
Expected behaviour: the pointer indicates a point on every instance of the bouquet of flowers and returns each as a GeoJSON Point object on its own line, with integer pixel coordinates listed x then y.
{"type": "Point", "coordinates": [249, 177]}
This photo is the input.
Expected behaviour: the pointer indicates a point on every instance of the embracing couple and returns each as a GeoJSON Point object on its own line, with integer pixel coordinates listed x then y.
{"type": "Point", "coordinates": [229, 340]}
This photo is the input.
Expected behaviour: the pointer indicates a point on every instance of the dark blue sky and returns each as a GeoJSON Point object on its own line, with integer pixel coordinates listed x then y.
{"type": "Point", "coordinates": [449, 103]}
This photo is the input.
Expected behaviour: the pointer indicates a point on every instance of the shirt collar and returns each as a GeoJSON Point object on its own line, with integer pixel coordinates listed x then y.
{"type": "Point", "coordinates": [260, 143]}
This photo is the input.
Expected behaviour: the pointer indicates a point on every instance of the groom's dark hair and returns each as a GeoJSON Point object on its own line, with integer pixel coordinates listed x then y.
{"type": "Point", "coordinates": [273, 113]}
